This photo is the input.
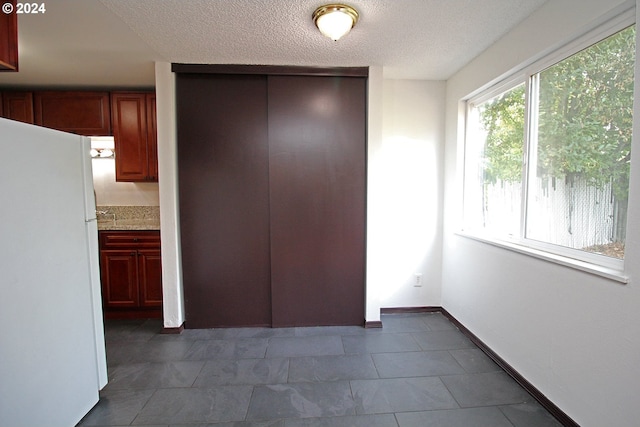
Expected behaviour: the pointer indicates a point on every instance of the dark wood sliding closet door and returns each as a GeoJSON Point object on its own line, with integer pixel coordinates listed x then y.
{"type": "Point", "coordinates": [317, 199]}
{"type": "Point", "coordinates": [224, 199]}
{"type": "Point", "coordinates": [271, 165]}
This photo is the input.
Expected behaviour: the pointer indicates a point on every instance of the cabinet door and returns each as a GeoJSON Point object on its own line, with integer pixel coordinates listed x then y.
{"type": "Point", "coordinates": [83, 113]}
{"type": "Point", "coordinates": [119, 278]}
{"type": "Point", "coordinates": [18, 106]}
{"type": "Point", "coordinates": [9, 39]}
{"type": "Point", "coordinates": [126, 240]}
{"type": "Point", "coordinates": [152, 136]}
{"type": "Point", "coordinates": [134, 151]}
{"type": "Point", "coordinates": [150, 277]}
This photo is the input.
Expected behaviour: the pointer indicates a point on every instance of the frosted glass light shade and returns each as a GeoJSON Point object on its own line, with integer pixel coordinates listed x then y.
{"type": "Point", "coordinates": [335, 20]}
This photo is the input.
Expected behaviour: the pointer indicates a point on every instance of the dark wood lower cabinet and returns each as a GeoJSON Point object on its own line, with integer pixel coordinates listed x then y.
{"type": "Point", "coordinates": [272, 198]}
{"type": "Point", "coordinates": [119, 279]}
{"type": "Point", "coordinates": [150, 277]}
{"type": "Point", "coordinates": [131, 273]}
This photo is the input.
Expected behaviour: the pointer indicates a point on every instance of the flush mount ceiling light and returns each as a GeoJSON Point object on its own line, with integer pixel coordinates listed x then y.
{"type": "Point", "coordinates": [335, 20]}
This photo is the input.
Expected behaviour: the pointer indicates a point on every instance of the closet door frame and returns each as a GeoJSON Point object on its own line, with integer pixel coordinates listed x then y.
{"type": "Point", "coordinates": [346, 72]}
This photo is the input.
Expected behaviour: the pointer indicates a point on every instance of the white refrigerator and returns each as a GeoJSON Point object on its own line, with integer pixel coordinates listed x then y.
{"type": "Point", "coordinates": [52, 350]}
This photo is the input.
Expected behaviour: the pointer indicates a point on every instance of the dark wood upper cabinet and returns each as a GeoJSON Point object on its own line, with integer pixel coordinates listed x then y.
{"type": "Point", "coordinates": [18, 106]}
{"type": "Point", "coordinates": [83, 113]}
{"type": "Point", "coordinates": [9, 39]}
{"type": "Point", "coordinates": [152, 135]}
{"type": "Point", "coordinates": [134, 131]}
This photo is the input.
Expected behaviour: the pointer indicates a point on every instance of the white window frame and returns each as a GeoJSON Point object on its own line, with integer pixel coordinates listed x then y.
{"type": "Point", "coordinates": [612, 268]}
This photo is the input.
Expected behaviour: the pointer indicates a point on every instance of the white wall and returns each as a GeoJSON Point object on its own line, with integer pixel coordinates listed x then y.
{"type": "Point", "coordinates": [173, 298]}
{"type": "Point", "coordinates": [574, 335]}
{"type": "Point", "coordinates": [405, 197]}
{"type": "Point", "coordinates": [375, 114]}
{"type": "Point", "coordinates": [112, 193]}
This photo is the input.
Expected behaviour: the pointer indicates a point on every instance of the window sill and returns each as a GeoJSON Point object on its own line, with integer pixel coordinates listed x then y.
{"type": "Point", "coordinates": [597, 270]}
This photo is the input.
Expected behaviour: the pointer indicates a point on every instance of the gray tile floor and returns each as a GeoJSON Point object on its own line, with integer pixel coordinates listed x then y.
{"type": "Point", "coordinates": [419, 370]}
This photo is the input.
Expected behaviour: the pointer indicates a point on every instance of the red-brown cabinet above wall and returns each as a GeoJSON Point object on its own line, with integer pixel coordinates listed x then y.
{"type": "Point", "coordinates": [9, 39]}
{"type": "Point", "coordinates": [133, 115]}
{"type": "Point", "coordinates": [84, 113]}
{"type": "Point", "coordinates": [18, 106]}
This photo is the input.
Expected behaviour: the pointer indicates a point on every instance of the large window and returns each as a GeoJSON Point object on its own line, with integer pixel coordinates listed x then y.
{"type": "Point", "coordinates": [547, 154]}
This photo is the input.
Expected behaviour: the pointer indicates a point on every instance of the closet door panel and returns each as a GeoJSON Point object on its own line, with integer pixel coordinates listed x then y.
{"type": "Point", "coordinates": [224, 199]}
{"type": "Point", "coordinates": [317, 199]}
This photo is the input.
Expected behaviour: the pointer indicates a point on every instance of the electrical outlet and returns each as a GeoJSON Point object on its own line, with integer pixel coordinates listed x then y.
{"type": "Point", "coordinates": [417, 280]}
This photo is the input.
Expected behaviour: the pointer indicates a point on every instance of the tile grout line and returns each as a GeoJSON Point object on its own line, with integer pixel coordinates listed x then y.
{"type": "Point", "coordinates": [369, 357]}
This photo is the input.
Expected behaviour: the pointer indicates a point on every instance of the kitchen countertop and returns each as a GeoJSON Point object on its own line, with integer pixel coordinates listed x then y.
{"type": "Point", "coordinates": [128, 218]}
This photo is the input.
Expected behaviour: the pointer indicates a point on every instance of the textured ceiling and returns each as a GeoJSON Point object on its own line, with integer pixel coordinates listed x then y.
{"type": "Point", "coordinates": [114, 42]}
